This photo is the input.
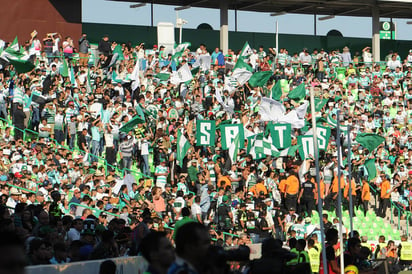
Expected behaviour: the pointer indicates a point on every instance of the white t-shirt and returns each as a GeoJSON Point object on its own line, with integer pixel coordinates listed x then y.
{"type": "Point", "coordinates": [196, 210]}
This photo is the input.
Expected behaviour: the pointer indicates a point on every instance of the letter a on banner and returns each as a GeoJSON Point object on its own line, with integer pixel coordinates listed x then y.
{"type": "Point", "coordinates": [306, 146]}
{"type": "Point", "coordinates": [205, 132]}
{"type": "Point", "coordinates": [281, 135]}
{"type": "Point", "coordinates": [229, 132]}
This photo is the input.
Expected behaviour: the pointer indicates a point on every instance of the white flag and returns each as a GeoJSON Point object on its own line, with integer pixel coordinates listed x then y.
{"type": "Point", "coordinates": [234, 149]}
{"type": "Point", "coordinates": [135, 76]}
{"type": "Point", "coordinates": [271, 110]}
{"type": "Point", "coordinates": [241, 75]}
{"type": "Point", "coordinates": [203, 61]}
{"type": "Point", "coordinates": [220, 100]}
{"type": "Point", "coordinates": [183, 74]}
{"type": "Point", "coordinates": [295, 117]}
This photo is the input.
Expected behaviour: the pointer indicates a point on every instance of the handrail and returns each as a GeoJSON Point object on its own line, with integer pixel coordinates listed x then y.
{"type": "Point", "coordinates": [122, 171]}
{"type": "Point", "coordinates": [94, 209]}
{"type": "Point", "coordinates": [22, 188]}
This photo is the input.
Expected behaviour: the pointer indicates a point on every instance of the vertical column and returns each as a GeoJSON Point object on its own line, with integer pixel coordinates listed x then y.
{"type": "Point", "coordinates": [224, 29]}
{"type": "Point", "coordinates": [376, 45]}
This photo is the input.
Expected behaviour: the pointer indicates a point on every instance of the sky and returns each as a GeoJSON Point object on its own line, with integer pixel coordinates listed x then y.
{"type": "Point", "coordinates": [102, 11]}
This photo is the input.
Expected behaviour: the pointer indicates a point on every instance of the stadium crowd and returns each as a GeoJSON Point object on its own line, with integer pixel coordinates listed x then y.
{"type": "Point", "coordinates": [76, 186]}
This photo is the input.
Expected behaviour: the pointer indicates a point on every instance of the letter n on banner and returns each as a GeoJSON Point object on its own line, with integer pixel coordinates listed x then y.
{"type": "Point", "coordinates": [229, 132]}
{"type": "Point", "coordinates": [281, 135]}
{"type": "Point", "coordinates": [306, 146]}
{"type": "Point", "coordinates": [205, 132]}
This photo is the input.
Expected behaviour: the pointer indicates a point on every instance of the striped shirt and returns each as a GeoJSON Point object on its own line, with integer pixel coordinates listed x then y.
{"type": "Point", "coordinates": [161, 180]}
{"type": "Point", "coordinates": [18, 95]}
{"type": "Point", "coordinates": [126, 148]}
{"type": "Point", "coordinates": [69, 113]}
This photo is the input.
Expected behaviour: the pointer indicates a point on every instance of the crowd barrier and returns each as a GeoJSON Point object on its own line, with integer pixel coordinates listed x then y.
{"type": "Point", "coordinates": [125, 265]}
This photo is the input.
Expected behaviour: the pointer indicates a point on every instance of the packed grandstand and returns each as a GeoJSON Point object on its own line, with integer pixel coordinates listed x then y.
{"type": "Point", "coordinates": [98, 150]}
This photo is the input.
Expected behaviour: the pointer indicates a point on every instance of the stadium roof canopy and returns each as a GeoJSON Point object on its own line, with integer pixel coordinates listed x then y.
{"type": "Point", "coordinates": [387, 8]}
{"type": "Point", "coordinates": [363, 8]}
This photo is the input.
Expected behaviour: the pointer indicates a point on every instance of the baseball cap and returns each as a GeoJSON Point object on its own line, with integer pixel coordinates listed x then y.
{"type": "Point", "coordinates": [18, 175]}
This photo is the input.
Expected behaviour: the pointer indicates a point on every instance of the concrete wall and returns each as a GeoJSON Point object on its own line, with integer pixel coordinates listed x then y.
{"type": "Point", "coordinates": [294, 43]}
{"type": "Point", "coordinates": [21, 17]}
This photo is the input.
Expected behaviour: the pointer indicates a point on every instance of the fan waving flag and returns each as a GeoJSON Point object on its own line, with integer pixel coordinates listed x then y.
{"type": "Point", "coordinates": [265, 146]}
{"type": "Point", "coordinates": [260, 78]}
{"type": "Point", "coordinates": [298, 93]}
{"type": "Point", "coordinates": [246, 51]}
{"type": "Point", "coordinates": [371, 168]}
{"type": "Point", "coordinates": [241, 75]}
{"type": "Point", "coordinates": [276, 91]}
{"type": "Point", "coordinates": [183, 146]}
{"type": "Point", "coordinates": [234, 149]}
{"type": "Point", "coordinates": [290, 151]}
{"type": "Point", "coordinates": [320, 103]}
{"type": "Point", "coordinates": [135, 76]}
{"type": "Point", "coordinates": [64, 71]}
{"type": "Point", "coordinates": [369, 140]}
{"type": "Point", "coordinates": [241, 64]}
{"type": "Point", "coordinates": [131, 124]}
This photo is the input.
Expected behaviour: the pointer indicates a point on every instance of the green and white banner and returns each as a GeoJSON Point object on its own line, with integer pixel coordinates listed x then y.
{"type": "Point", "coordinates": [205, 132]}
{"type": "Point", "coordinates": [306, 142]}
{"type": "Point", "coordinates": [323, 137]}
{"type": "Point", "coordinates": [306, 145]}
{"type": "Point", "coordinates": [281, 135]}
{"type": "Point", "coordinates": [229, 132]}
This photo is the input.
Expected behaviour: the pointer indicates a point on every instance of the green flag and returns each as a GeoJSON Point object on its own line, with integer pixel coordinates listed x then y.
{"type": "Point", "coordinates": [241, 64]}
{"type": "Point", "coordinates": [22, 66]}
{"type": "Point", "coordinates": [65, 69]}
{"type": "Point", "coordinates": [183, 146]}
{"type": "Point", "coordinates": [72, 77]}
{"type": "Point", "coordinates": [298, 93]}
{"type": "Point", "coordinates": [163, 76]}
{"type": "Point", "coordinates": [371, 168]}
{"type": "Point", "coordinates": [369, 140]}
{"type": "Point", "coordinates": [290, 151]}
{"type": "Point", "coordinates": [114, 77]}
{"type": "Point", "coordinates": [320, 103]}
{"type": "Point", "coordinates": [140, 111]}
{"type": "Point", "coordinates": [131, 124]}
{"type": "Point", "coordinates": [234, 149]}
{"type": "Point", "coordinates": [276, 91]}
{"type": "Point", "coordinates": [118, 50]}
{"type": "Point", "coordinates": [246, 51]}
{"type": "Point", "coordinates": [260, 78]}
{"type": "Point", "coordinates": [194, 71]}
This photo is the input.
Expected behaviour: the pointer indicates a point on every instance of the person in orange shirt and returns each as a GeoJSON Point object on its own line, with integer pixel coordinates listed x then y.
{"type": "Point", "coordinates": [282, 186]}
{"type": "Point", "coordinates": [224, 181]}
{"type": "Point", "coordinates": [366, 195]}
{"type": "Point", "coordinates": [385, 196]}
{"type": "Point", "coordinates": [259, 187]}
{"type": "Point", "coordinates": [322, 188]}
{"type": "Point", "coordinates": [292, 190]}
{"type": "Point", "coordinates": [333, 192]}
{"type": "Point", "coordinates": [353, 191]}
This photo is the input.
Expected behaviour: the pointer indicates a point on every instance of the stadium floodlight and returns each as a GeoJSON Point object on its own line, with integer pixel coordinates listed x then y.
{"type": "Point", "coordinates": [182, 8]}
{"type": "Point", "coordinates": [134, 6]}
{"type": "Point", "coordinates": [278, 13]}
{"type": "Point", "coordinates": [326, 17]}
